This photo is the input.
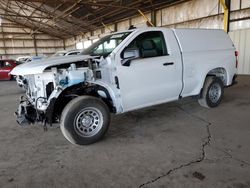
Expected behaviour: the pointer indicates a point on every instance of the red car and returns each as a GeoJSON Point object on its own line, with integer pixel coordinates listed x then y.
{"type": "Point", "coordinates": [5, 67]}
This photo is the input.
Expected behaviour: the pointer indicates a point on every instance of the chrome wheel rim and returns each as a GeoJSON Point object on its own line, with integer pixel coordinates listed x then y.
{"type": "Point", "coordinates": [88, 122]}
{"type": "Point", "coordinates": [214, 93]}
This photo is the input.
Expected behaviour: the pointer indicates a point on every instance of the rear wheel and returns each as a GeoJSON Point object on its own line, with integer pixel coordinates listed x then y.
{"type": "Point", "coordinates": [85, 120]}
{"type": "Point", "coordinates": [212, 92]}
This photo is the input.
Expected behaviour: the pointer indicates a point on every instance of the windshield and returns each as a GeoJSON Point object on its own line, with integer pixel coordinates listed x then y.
{"type": "Point", "coordinates": [105, 45]}
{"type": "Point", "coordinates": [59, 54]}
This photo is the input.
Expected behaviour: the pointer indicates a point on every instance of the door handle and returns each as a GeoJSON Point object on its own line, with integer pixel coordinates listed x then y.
{"type": "Point", "coordinates": [168, 63]}
{"type": "Point", "coordinates": [117, 82]}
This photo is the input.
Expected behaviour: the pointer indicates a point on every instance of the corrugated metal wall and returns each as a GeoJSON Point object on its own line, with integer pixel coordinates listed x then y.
{"type": "Point", "coordinates": [191, 14]}
{"type": "Point", "coordinates": [241, 39]}
{"type": "Point", "coordinates": [16, 40]}
{"type": "Point", "coordinates": [204, 14]}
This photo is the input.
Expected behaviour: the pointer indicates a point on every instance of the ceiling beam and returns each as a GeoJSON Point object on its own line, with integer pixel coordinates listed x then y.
{"type": "Point", "coordinates": [24, 16]}
{"type": "Point", "coordinates": [34, 23]}
{"type": "Point", "coordinates": [75, 23]}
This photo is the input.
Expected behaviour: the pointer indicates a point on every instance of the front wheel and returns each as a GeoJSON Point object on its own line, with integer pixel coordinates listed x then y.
{"type": "Point", "coordinates": [85, 120]}
{"type": "Point", "coordinates": [212, 92]}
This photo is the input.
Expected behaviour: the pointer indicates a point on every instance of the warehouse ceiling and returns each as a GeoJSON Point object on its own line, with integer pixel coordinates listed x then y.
{"type": "Point", "coordinates": [67, 18]}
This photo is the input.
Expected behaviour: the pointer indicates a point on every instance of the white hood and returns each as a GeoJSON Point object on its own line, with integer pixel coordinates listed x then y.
{"type": "Point", "coordinates": [38, 66]}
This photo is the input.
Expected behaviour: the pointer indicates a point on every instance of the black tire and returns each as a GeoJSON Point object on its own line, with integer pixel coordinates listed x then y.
{"type": "Point", "coordinates": [212, 92]}
{"type": "Point", "coordinates": [79, 123]}
{"type": "Point", "coordinates": [11, 78]}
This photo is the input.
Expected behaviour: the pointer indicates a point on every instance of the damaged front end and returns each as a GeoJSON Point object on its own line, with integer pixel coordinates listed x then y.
{"type": "Point", "coordinates": [43, 89]}
{"type": "Point", "coordinates": [27, 113]}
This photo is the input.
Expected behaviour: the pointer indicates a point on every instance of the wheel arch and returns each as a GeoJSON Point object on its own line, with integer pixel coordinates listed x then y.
{"type": "Point", "coordinates": [96, 90]}
{"type": "Point", "coordinates": [212, 92]}
{"type": "Point", "coordinates": [219, 72]}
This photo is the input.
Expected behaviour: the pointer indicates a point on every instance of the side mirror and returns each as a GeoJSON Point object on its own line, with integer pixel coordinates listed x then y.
{"type": "Point", "coordinates": [129, 55]}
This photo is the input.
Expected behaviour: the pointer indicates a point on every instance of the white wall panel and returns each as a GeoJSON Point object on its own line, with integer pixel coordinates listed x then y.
{"type": "Point", "coordinates": [10, 51]}
{"type": "Point", "coordinates": [71, 43]}
{"type": "Point", "coordinates": [189, 10]}
{"type": "Point", "coordinates": [16, 29]}
{"type": "Point", "coordinates": [44, 36]}
{"type": "Point", "coordinates": [108, 28]}
{"type": "Point", "coordinates": [124, 25]}
{"type": "Point", "coordinates": [245, 3]}
{"type": "Point", "coordinates": [46, 43]}
{"type": "Point", "coordinates": [241, 39]}
{"type": "Point", "coordinates": [97, 32]}
{"type": "Point", "coordinates": [18, 43]}
{"type": "Point", "coordinates": [158, 18]}
{"type": "Point", "coordinates": [240, 14]}
{"type": "Point", "coordinates": [49, 50]}
{"type": "Point", "coordinates": [139, 21]}
{"type": "Point", "coordinates": [244, 24]}
{"type": "Point", "coordinates": [1, 52]}
{"type": "Point", "coordinates": [215, 22]}
{"type": "Point", "coordinates": [235, 5]}
{"type": "Point", "coordinates": [71, 47]}
{"type": "Point", "coordinates": [88, 34]}
{"type": "Point", "coordinates": [1, 43]}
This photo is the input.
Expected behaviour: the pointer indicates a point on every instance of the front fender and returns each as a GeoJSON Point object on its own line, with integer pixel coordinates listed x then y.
{"type": "Point", "coordinates": [113, 93]}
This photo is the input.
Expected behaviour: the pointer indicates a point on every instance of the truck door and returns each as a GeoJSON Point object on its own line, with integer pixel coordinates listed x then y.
{"type": "Point", "coordinates": [155, 76]}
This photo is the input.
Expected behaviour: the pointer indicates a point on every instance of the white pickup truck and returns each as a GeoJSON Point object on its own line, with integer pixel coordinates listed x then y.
{"type": "Point", "coordinates": [125, 71]}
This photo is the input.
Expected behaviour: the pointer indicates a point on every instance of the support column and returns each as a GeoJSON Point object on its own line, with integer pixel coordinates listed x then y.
{"type": "Point", "coordinates": [35, 45]}
{"type": "Point", "coordinates": [153, 17]}
{"type": "Point", "coordinates": [64, 45]}
{"type": "Point", "coordinates": [116, 27]}
{"type": "Point", "coordinates": [4, 46]}
{"type": "Point", "coordinates": [226, 4]}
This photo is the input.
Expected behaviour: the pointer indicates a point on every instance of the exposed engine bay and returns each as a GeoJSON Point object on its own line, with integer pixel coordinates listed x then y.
{"type": "Point", "coordinates": [44, 90]}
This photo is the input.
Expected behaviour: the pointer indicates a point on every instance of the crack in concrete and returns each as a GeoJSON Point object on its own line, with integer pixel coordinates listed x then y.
{"type": "Point", "coordinates": [200, 159]}
{"type": "Point", "coordinates": [134, 115]}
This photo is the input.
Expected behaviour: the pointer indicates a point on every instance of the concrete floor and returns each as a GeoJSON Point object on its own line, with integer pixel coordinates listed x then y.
{"type": "Point", "coordinates": [173, 145]}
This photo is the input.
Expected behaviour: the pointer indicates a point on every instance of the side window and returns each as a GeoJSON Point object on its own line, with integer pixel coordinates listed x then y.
{"type": "Point", "coordinates": [7, 64]}
{"type": "Point", "coordinates": [73, 53]}
{"type": "Point", "coordinates": [29, 60]}
{"type": "Point", "coordinates": [150, 44]}
{"type": "Point", "coordinates": [1, 64]}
